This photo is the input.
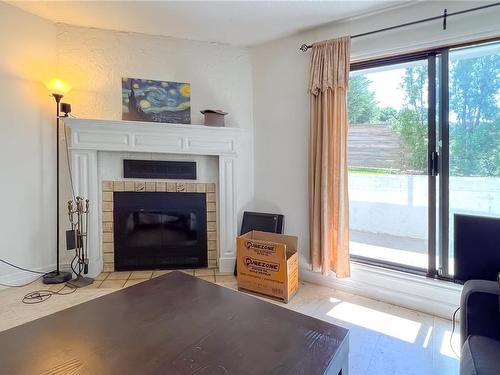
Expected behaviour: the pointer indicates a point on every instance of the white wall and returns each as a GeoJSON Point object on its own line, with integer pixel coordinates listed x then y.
{"type": "Point", "coordinates": [27, 144]}
{"type": "Point", "coordinates": [281, 106]}
{"type": "Point", "coordinates": [93, 62]}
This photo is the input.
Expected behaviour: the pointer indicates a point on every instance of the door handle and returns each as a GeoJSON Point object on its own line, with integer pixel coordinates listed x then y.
{"type": "Point", "coordinates": [434, 163]}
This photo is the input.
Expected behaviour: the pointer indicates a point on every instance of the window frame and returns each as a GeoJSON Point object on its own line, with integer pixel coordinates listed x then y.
{"type": "Point", "coordinates": [438, 218]}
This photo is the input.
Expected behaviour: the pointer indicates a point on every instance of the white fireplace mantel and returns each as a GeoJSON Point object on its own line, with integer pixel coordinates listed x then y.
{"type": "Point", "coordinates": [89, 136]}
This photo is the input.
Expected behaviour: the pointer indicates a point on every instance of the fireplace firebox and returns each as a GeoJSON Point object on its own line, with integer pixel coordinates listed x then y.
{"type": "Point", "coordinates": [159, 230]}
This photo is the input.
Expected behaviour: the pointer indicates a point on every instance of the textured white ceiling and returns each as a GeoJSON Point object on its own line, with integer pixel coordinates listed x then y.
{"type": "Point", "coordinates": [241, 23]}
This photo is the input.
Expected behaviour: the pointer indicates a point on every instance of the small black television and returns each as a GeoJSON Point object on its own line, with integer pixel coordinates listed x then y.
{"type": "Point", "coordinates": [477, 247]}
{"type": "Point", "coordinates": [262, 222]}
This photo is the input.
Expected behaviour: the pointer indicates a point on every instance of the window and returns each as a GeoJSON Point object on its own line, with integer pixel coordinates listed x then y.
{"type": "Point", "coordinates": [387, 155]}
{"type": "Point", "coordinates": [474, 135]}
{"type": "Point", "coordinates": [424, 144]}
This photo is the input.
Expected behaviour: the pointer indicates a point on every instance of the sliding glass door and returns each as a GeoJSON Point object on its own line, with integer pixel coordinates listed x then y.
{"type": "Point", "coordinates": [424, 144]}
{"type": "Point", "coordinates": [388, 163]}
{"type": "Point", "coordinates": [473, 138]}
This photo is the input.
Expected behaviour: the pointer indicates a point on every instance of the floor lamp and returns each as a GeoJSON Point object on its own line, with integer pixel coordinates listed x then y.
{"type": "Point", "coordinates": [57, 88]}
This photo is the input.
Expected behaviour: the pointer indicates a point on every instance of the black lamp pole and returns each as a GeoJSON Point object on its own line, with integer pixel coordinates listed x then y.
{"type": "Point", "coordinates": [57, 276]}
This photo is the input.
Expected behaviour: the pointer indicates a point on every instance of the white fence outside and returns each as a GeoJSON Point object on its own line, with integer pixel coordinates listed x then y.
{"type": "Point", "coordinates": [397, 204]}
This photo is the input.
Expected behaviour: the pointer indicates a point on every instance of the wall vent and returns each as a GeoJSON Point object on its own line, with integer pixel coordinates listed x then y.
{"type": "Point", "coordinates": [159, 169]}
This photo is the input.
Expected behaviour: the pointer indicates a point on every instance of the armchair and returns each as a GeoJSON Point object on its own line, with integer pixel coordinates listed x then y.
{"type": "Point", "coordinates": [480, 328]}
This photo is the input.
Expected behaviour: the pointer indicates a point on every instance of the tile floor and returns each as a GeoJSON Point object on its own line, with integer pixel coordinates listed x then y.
{"type": "Point", "coordinates": [384, 339]}
{"type": "Point", "coordinates": [125, 279]}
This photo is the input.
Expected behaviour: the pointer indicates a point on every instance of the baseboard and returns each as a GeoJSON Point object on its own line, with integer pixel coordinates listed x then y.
{"type": "Point", "coordinates": [18, 277]}
{"type": "Point", "coordinates": [95, 267]}
{"type": "Point", "coordinates": [226, 265]}
{"type": "Point", "coordinates": [419, 293]}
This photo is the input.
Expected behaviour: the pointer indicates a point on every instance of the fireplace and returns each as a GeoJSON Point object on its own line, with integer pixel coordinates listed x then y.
{"type": "Point", "coordinates": [96, 176]}
{"type": "Point", "coordinates": [158, 225]}
{"type": "Point", "coordinates": [159, 230]}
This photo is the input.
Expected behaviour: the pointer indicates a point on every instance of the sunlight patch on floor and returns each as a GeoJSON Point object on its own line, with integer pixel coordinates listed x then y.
{"type": "Point", "coordinates": [427, 339]}
{"type": "Point", "coordinates": [387, 324]}
{"type": "Point", "coordinates": [446, 348]}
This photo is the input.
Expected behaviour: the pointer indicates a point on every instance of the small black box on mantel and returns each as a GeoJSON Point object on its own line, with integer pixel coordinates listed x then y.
{"type": "Point", "coordinates": [214, 117]}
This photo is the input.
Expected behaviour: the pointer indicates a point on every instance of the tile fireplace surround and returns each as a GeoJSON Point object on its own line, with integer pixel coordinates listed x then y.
{"type": "Point", "coordinates": [89, 137]}
{"type": "Point", "coordinates": [109, 187]}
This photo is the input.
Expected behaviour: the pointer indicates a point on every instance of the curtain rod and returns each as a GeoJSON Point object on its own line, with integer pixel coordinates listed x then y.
{"type": "Point", "coordinates": [444, 16]}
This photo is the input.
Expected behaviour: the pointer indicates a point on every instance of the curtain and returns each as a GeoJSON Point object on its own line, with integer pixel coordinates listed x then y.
{"type": "Point", "coordinates": [328, 199]}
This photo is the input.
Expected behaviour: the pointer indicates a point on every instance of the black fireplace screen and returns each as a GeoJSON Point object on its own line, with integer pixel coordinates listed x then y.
{"type": "Point", "coordinates": [154, 230]}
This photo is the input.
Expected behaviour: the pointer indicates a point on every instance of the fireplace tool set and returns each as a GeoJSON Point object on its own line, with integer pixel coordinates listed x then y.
{"type": "Point", "coordinates": [76, 238]}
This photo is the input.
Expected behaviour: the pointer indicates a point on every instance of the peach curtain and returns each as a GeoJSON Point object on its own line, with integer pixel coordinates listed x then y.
{"type": "Point", "coordinates": [328, 200]}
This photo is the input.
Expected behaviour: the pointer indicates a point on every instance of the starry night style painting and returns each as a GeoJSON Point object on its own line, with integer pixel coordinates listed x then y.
{"type": "Point", "coordinates": [156, 101]}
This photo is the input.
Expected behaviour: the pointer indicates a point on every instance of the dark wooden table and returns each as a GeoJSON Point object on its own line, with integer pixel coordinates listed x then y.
{"type": "Point", "coordinates": [175, 324]}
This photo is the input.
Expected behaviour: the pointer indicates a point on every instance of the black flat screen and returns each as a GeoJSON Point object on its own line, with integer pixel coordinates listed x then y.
{"type": "Point", "coordinates": [477, 247]}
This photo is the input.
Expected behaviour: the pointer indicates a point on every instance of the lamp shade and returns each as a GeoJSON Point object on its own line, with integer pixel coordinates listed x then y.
{"type": "Point", "coordinates": [58, 86]}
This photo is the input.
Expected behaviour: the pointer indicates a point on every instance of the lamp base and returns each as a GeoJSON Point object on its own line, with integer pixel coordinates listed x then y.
{"type": "Point", "coordinates": [55, 277]}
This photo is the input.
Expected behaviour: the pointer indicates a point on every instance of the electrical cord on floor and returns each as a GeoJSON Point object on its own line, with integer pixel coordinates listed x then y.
{"type": "Point", "coordinates": [42, 295]}
{"type": "Point", "coordinates": [453, 331]}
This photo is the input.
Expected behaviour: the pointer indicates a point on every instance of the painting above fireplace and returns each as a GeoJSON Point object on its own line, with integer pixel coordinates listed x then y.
{"type": "Point", "coordinates": [156, 101]}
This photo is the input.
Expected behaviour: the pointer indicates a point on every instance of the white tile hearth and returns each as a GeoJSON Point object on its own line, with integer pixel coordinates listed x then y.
{"type": "Point", "coordinates": [384, 339]}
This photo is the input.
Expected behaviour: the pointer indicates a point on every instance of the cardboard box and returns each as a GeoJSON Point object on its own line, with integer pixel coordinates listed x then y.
{"type": "Point", "coordinates": [268, 264]}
